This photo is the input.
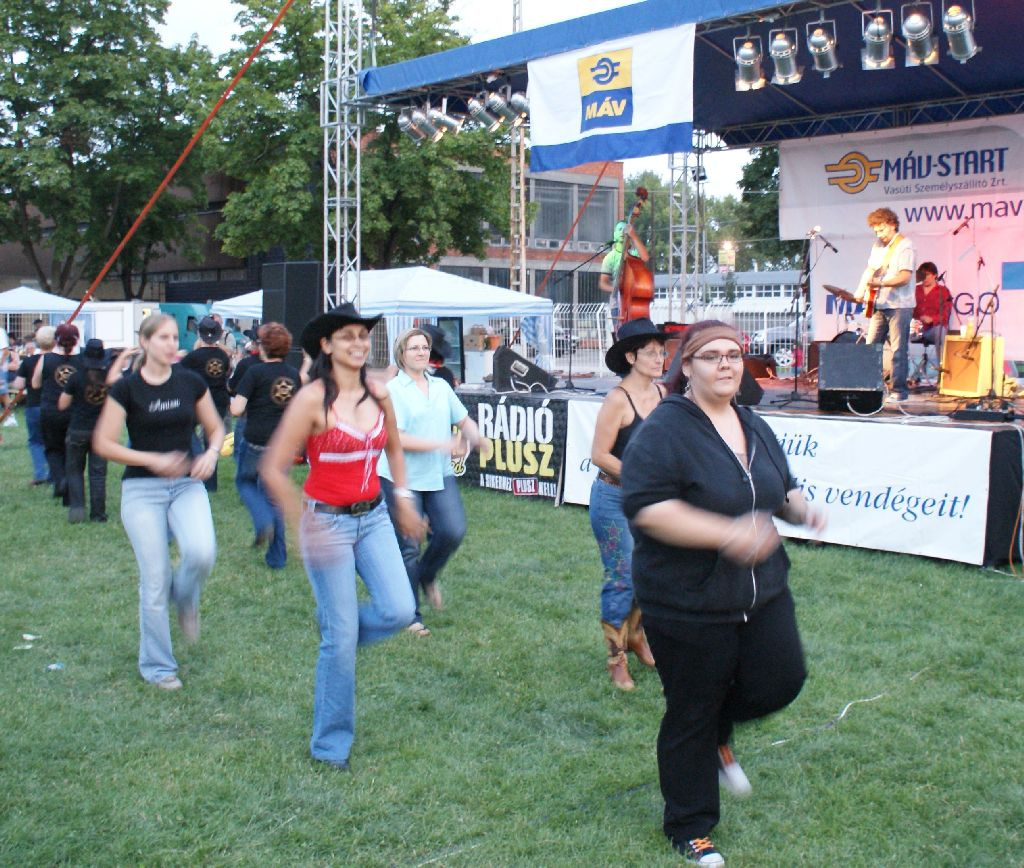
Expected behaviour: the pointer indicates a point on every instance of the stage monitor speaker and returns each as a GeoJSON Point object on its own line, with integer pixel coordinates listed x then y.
{"type": "Point", "coordinates": [850, 377]}
{"type": "Point", "coordinates": [292, 296]}
{"type": "Point", "coordinates": [513, 373]}
{"type": "Point", "coordinates": [762, 366]}
{"type": "Point", "coordinates": [967, 366]}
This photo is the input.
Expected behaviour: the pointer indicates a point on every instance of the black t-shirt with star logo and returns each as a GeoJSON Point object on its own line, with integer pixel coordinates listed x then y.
{"type": "Point", "coordinates": [214, 366]}
{"type": "Point", "coordinates": [268, 388]}
{"type": "Point", "coordinates": [57, 370]}
{"type": "Point", "coordinates": [88, 390]}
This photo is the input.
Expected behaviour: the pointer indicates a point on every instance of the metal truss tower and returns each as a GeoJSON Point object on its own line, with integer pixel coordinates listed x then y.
{"type": "Point", "coordinates": [341, 119]}
{"type": "Point", "coordinates": [687, 240]}
{"type": "Point", "coordinates": [517, 189]}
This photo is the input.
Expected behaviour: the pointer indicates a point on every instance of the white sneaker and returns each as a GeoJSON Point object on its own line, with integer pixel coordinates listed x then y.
{"type": "Point", "coordinates": [893, 398]}
{"type": "Point", "coordinates": [169, 682]}
{"type": "Point", "coordinates": [730, 774]}
{"type": "Point", "coordinates": [700, 851]}
{"type": "Point", "coordinates": [10, 422]}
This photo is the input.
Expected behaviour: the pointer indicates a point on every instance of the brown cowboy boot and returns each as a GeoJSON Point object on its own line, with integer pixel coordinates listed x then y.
{"type": "Point", "coordinates": [637, 639]}
{"type": "Point", "coordinates": [617, 667]}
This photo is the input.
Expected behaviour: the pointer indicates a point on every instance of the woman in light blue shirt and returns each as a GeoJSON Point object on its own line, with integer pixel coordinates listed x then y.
{"type": "Point", "coordinates": [426, 408]}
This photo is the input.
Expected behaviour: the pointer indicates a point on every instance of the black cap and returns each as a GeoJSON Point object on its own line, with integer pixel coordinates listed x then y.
{"type": "Point", "coordinates": [209, 329]}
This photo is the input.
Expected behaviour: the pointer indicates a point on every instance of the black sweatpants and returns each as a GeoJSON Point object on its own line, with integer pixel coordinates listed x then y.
{"type": "Point", "coordinates": [715, 675]}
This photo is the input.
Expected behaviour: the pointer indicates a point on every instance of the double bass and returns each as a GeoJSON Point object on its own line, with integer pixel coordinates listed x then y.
{"type": "Point", "coordinates": [633, 280]}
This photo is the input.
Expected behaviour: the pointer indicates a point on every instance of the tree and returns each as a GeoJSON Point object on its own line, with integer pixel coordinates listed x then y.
{"type": "Point", "coordinates": [93, 111]}
{"type": "Point", "coordinates": [417, 201]}
{"type": "Point", "coordinates": [759, 213]}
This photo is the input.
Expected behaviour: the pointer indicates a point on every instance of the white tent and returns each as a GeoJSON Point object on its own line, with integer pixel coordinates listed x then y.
{"type": "Point", "coordinates": [413, 292]}
{"type": "Point", "coordinates": [24, 299]}
{"type": "Point", "coordinates": [248, 306]}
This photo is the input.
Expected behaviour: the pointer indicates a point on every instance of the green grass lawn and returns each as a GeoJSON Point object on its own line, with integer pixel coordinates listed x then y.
{"type": "Point", "coordinates": [499, 739]}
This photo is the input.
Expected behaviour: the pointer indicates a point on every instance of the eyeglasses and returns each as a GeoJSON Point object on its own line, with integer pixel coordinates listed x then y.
{"type": "Point", "coordinates": [418, 349]}
{"type": "Point", "coordinates": [733, 357]}
{"type": "Point", "coordinates": [652, 353]}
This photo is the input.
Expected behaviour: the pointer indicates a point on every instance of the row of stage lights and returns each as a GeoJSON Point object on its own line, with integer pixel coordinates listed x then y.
{"type": "Point", "coordinates": [876, 31]}
{"type": "Point", "coordinates": [489, 112]}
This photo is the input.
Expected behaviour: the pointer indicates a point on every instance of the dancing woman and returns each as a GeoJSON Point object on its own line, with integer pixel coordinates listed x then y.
{"type": "Point", "coordinates": [701, 480]}
{"type": "Point", "coordinates": [162, 493]}
{"type": "Point", "coordinates": [426, 408]}
{"type": "Point", "coordinates": [343, 422]}
{"type": "Point", "coordinates": [638, 357]}
{"type": "Point", "coordinates": [262, 395]}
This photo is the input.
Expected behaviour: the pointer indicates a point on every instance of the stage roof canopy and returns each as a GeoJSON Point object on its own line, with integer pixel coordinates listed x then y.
{"type": "Point", "coordinates": [850, 100]}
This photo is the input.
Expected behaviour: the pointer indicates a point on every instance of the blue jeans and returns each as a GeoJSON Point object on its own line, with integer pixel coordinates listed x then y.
{"type": "Point", "coordinates": [447, 519]}
{"type": "Point", "coordinates": [334, 549]}
{"type": "Point", "coordinates": [150, 508]}
{"type": "Point", "coordinates": [36, 449]}
{"type": "Point", "coordinates": [615, 543]}
{"type": "Point", "coordinates": [257, 500]}
{"type": "Point", "coordinates": [893, 326]}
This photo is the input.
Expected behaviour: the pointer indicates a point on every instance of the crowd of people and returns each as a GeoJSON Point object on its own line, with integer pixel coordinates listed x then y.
{"type": "Point", "coordinates": [695, 578]}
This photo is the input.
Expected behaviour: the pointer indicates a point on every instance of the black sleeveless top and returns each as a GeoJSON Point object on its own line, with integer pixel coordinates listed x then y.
{"type": "Point", "coordinates": [626, 431]}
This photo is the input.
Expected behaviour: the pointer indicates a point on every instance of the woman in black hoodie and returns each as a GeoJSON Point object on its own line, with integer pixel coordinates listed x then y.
{"type": "Point", "coordinates": [701, 481]}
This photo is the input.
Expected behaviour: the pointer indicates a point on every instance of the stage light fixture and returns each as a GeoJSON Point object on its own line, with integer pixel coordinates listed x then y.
{"type": "Point", "coordinates": [877, 32]}
{"type": "Point", "coordinates": [747, 52]}
{"type": "Point", "coordinates": [443, 120]}
{"type": "Point", "coordinates": [421, 123]}
{"type": "Point", "coordinates": [958, 25]}
{"type": "Point", "coordinates": [782, 45]}
{"type": "Point", "coordinates": [406, 125]}
{"type": "Point", "coordinates": [821, 43]}
{"type": "Point", "coordinates": [922, 46]}
{"type": "Point", "coordinates": [520, 103]}
{"type": "Point", "coordinates": [498, 107]}
{"type": "Point", "coordinates": [482, 116]}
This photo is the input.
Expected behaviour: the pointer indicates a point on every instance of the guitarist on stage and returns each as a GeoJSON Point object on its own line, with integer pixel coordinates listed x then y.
{"type": "Point", "coordinates": [887, 290]}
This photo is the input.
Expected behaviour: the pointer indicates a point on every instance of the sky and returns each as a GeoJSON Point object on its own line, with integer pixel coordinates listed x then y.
{"type": "Point", "coordinates": [213, 22]}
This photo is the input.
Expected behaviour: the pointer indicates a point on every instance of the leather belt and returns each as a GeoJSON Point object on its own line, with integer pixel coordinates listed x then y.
{"type": "Point", "coordinates": [360, 507]}
{"type": "Point", "coordinates": [607, 477]}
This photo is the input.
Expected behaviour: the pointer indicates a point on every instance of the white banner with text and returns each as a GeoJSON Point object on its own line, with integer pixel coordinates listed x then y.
{"type": "Point", "coordinates": [915, 489]}
{"type": "Point", "coordinates": [958, 191]}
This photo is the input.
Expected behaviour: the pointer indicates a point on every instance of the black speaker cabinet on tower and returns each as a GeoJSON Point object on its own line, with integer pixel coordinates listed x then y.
{"type": "Point", "coordinates": [850, 377]}
{"type": "Point", "coordinates": [513, 373]}
{"type": "Point", "coordinates": [292, 295]}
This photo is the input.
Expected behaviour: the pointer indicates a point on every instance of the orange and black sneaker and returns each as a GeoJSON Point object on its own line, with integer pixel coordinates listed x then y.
{"type": "Point", "coordinates": [730, 774]}
{"type": "Point", "coordinates": [700, 851]}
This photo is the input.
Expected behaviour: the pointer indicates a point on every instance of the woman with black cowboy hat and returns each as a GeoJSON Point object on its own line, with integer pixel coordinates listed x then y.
{"type": "Point", "coordinates": [638, 357]}
{"type": "Point", "coordinates": [343, 421]}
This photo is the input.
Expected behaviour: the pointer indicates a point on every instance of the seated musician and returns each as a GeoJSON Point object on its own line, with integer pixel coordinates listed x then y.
{"type": "Point", "coordinates": [611, 265]}
{"type": "Point", "coordinates": [934, 304]}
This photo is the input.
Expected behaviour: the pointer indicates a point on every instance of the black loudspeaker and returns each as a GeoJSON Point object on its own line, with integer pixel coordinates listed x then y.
{"type": "Point", "coordinates": [750, 393]}
{"type": "Point", "coordinates": [513, 373]}
{"type": "Point", "coordinates": [850, 377]}
{"type": "Point", "coordinates": [292, 295]}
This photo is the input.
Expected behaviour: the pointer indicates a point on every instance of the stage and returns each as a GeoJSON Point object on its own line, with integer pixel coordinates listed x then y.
{"type": "Point", "coordinates": [906, 479]}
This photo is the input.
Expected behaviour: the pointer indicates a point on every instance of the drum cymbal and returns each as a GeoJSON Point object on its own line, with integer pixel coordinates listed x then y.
{"type": "Point", "coordinates": [839, 292]}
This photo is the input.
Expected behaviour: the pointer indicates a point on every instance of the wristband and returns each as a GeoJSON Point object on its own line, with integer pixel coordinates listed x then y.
{"type": "Point", "coordinates": [402, 491]}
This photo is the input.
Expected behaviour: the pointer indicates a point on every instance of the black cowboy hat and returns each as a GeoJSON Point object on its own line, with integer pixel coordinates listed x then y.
{"type": "Point", "coordinates": [438, 340]}
{"type": "Point", "coordinates": [94, 355]}
{"type": "Point", "coordinates": [632, 335]}
{"type": "Point", "coordinates": [326, 324]}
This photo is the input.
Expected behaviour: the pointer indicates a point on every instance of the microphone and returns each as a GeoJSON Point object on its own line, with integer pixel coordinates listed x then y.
{"type": "Point", "coordinates": [815, 232]}
{"type": "Point", "coordinates": [963, 225]}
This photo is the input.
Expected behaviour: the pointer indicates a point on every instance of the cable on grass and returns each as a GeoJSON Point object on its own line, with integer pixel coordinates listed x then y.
{"type": "Point", "coordinates": [181, 159]}
{"type": "Point", "coordinates": [831, 724]}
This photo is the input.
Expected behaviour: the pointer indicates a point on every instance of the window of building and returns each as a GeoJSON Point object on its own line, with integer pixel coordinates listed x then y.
{"type": "Point", "coordinates": [470, 272]}
{"type": "Point", "coordinates": [598, 220]}
{"type": "Point", "coordinates": [554, 209]}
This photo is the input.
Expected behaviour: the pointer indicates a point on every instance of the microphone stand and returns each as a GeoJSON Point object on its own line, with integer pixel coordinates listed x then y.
{"type": "Point", "coordinates": [803, 294]}
{"type": "Point", "coordinates": [570, 386]}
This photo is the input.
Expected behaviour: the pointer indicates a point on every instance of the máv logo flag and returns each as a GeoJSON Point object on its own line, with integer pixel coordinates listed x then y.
{"type": "Point", "coordinates": [630, 97]}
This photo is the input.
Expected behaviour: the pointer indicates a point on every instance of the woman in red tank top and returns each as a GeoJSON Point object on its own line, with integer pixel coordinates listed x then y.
{"type": "Point", "coordinates": [343, 422]}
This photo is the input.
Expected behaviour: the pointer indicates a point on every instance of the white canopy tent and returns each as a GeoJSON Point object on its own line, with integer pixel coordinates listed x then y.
{"type": "Point", "coordinates": [416, 292]}
{"type": "Point", "coordinates": [24, 301]}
